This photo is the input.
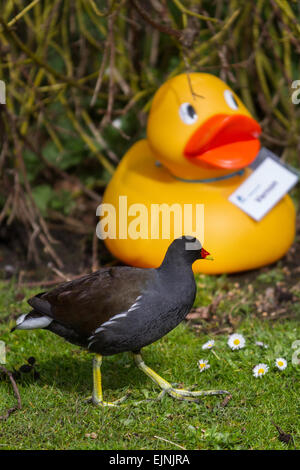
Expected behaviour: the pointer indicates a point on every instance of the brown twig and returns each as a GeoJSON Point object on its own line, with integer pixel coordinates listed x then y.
{"type": "Point", "coordinates": [95, 261]}
{"type": "Point", "coordinates": [18, 406]}
{"type": "Point", "coordinates": [226, 401]}
{"type": "Point", "coordinates": [100, 75]}
{"type": "Point", "coordinates": [110, 102]}
{"type": "Point", "coordinates": [194, 95]}
{"type": "Point", "coordinates": [162, 28]}
{"type": "Point", "coordinates": [58, 272]}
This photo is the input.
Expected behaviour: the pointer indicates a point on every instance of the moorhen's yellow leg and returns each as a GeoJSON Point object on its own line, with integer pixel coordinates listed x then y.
{"type": "Point", "coordinates": [180, 394]}
{"type": "Point", "coordinates": [97, 397]}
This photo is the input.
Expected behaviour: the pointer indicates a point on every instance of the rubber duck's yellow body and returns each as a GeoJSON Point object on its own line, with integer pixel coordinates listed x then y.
{"type": "Point", "coordinates": [198, 129]}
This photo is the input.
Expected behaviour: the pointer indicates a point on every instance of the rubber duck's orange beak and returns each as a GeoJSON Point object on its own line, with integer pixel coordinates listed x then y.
{"type": "Point", "coordinates": [224, 141]}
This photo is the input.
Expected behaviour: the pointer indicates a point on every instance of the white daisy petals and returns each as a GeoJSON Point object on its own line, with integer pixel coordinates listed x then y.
{"type": "Point", "coordinates": [280, 363]}
{"type": "Point", "coordinates": [203, 364]}
{"type": "Point", "coordinates": [209, 344]}
{"type": "Point", "coordinates": [236, 341]}
{"type": "Point", "coordinates": [260, 369]}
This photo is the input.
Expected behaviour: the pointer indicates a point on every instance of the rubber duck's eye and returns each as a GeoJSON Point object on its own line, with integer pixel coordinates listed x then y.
{"type": "Point", "coordinates": [188, 113]}
{"type": "Point", "coordinates": [230, 99]}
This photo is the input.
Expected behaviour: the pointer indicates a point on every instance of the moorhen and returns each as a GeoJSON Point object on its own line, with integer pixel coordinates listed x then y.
{"type": "Point", "coordinates": [119, 309]}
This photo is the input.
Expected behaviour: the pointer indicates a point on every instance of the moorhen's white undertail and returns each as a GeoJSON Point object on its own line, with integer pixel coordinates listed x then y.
{"type": "Point", "coordinates": [119, 309]}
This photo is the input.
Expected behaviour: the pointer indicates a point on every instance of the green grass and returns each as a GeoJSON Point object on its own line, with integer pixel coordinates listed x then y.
{"type": "Point", "coordinates": [55, 416]}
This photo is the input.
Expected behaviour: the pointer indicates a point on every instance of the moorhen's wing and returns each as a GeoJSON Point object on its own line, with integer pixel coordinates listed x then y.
{"type": "Point", "coordinates": [85, 303]}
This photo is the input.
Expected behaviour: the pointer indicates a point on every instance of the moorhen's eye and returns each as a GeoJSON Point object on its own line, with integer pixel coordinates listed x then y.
{"type": "Point", "coordinates": [188, 113]}
{"type": "Point", "coordinates": [230, 99]}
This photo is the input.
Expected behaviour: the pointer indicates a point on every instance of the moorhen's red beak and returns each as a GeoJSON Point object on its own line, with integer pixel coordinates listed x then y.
{"type": "Point", "coordinates": [205, 254]}
{"type": "Point", "coordinates": [224, 141]}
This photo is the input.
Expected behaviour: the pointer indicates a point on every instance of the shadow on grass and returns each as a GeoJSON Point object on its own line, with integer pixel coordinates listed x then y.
{"type": "Point", "coordinates": [70, 373]}
{"type": "Point", "coordinates": [68, 368]}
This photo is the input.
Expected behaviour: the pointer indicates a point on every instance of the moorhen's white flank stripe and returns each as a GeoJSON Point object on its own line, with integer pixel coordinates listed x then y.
{"type": "Point", "coordinates": [109, 322]}
{"type": "Point", "coordinates": [134, 306]}
{"type": "Point", "coordinates": [113, 319]}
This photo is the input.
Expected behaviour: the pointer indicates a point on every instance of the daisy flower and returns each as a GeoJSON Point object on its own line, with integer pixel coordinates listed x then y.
{"type": "Point", "coordinates": [280, 363]}
{"type": "Point", "coordinates": [209, 344]}
{"type": "Point", "coordinates": [203, 364]}
{"type": "Point", "coordinates": [236, 341]}
{"type": "Point", "coordinates": [260, 370]}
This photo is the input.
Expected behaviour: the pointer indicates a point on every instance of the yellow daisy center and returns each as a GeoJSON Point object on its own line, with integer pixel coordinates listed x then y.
{"type": "Point", "coordinates": [280, 363]}
{"type": "Point", "coordinates": [236, 341]}
{"type": "Point", "coordinates": [202, 365]}
{"type": "Point", "coordinates": [261, 371]}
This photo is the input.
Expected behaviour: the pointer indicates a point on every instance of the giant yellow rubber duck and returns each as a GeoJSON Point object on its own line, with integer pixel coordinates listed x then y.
{"type": "Point", "coordinates": [200, 141]}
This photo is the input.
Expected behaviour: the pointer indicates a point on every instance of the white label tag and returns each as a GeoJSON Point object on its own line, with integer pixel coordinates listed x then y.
{"type": "Point", "coordinates": [268, 183]}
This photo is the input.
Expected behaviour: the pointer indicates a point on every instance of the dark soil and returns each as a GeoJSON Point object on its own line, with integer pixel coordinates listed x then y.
{"type": "Point", "coordinates": [73, 249]}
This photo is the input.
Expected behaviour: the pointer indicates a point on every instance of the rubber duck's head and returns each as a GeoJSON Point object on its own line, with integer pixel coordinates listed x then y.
{"type": "Point", "coordinates": [196, 120]}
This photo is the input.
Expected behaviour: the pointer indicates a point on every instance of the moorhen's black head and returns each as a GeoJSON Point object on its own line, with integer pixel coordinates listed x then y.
{"type": "Point", "coordinates": [186, 248]}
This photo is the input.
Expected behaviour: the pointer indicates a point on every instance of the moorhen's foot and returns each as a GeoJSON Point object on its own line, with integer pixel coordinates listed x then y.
{"type": "Point", "coordinates": [182, 394]}
{"type": "Point", "coordinates": [106, 403]}
{"type": "Point", "coordinates": [97, 402]}
{"type": "Point", "coordinates": [178, 393]}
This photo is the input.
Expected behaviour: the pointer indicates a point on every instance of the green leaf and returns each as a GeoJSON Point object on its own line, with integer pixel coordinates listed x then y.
{"type": "Point", "coordinates": [72, 156]}
{"type": "Point", "coordinates": [42, 195]}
